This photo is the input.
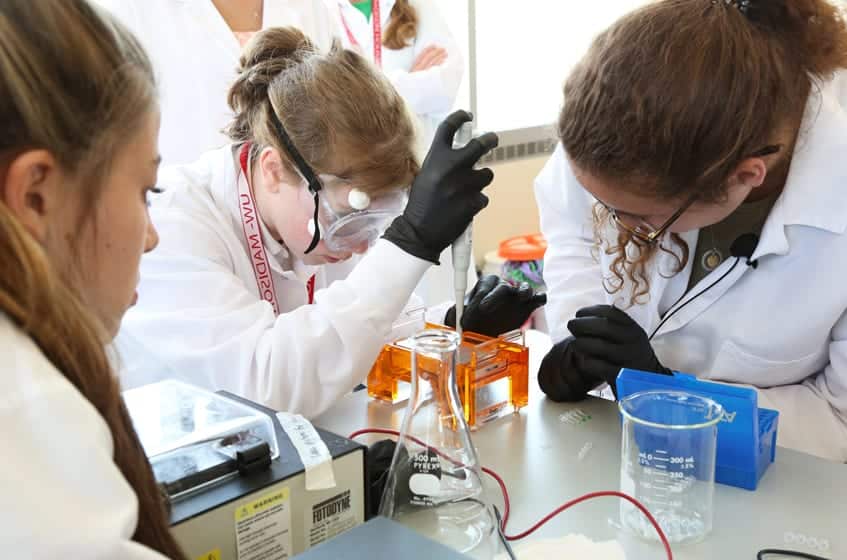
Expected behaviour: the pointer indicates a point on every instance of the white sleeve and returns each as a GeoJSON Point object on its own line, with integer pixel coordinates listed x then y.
{"type": "Point", "coordinates": [432, 91]}
{"type": "Point", "coordinates": [813, 414]}
{"type": "Point", "coordinates": [572, 274]}
{"type": "Point", "coordinates": [203, 321]}
{"type": "Point", "coordinates": [64, 496]}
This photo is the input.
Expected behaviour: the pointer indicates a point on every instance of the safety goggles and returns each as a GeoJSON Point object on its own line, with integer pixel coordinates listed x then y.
{"type": "Point", "coordinates": [344, 217]}
{"type": "Point", "coordinates": [349, 219]}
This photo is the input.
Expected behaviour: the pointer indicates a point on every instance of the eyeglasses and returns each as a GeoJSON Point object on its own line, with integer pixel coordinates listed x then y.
{"type": "Point", "coordinates": [643, 230]}
{"type": "Point", "coordinates": [640, 228]}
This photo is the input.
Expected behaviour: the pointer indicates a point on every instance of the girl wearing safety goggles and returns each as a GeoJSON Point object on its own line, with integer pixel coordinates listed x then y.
{"type": "Point", "coordinates": [258, 286]}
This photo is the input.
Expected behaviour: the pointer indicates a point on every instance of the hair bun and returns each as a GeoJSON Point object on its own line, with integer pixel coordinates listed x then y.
{"type": "Point", "coordinates": [265, 56]}
{"type": "Point", "coordinates": [814, 29]}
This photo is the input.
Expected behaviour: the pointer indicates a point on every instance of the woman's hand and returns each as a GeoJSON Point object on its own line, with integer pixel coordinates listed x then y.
{"type": "Point", "coordinates": [431, 56]}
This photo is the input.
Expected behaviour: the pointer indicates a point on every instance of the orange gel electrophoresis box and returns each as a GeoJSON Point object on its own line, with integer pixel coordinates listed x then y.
{"type": "Point", "coordinates": [492, 374]}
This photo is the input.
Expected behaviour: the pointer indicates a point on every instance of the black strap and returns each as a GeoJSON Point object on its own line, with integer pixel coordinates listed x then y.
{"type": "Point", "coordinates": [700, 293]}
{"type": "Point", "coordinates": [316, 237]}
{"type": "Point", "coordinates": [305, 168]}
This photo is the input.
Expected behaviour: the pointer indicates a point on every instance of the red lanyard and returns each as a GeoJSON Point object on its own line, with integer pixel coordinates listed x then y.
{"type": "Point", "coordinates": [253, 236]}
{"type": "Point", "coordinates": [377, 29]}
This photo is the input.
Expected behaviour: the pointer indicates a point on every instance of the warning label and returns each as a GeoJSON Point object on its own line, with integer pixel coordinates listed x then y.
{"type": "Point", "coordinates": [263, 528]}
{"type": "Point", "coordinates": [330, 518]}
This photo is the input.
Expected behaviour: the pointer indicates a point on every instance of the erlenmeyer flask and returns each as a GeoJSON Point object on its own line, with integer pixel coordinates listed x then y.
{"type": "Point", "coordinates": [434, 485]}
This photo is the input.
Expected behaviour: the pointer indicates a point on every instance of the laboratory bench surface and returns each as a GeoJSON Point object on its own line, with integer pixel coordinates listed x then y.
{"type": "Point", "coordinates": [551, 452]}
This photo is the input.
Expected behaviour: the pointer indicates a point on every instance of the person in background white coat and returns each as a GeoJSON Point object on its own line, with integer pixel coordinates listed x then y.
{"type": "Point", "coordinates": [272, 308]}
{"type": "Point", "coordinates": [423, 61]}
{"type": "Point", "coordinates": [77, 159]}
{"type": "Point", "coordinates": [417, 53]}
{"type": "Point", "coordinates": [696, 212]}
{"type": "Point", "coordinates": [195, 45]}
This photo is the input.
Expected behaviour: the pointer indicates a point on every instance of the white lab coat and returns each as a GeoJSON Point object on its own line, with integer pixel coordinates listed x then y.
{"type": "Point", "coordinates": [195, 55]}
{"type": "Point", "coordinates": [63, 495]}
{"type": "Point", "coordinates": [199, 316]}
{"type": "Point", "coordinates": [781, 328]}
{"type": "Point", "coordinates": [430, 94]}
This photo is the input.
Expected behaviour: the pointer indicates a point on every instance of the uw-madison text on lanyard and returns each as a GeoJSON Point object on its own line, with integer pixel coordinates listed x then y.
{"type": "Point", "coordinates": [377, 31]}
{"type": "Point", "coordinates": [253, 236]}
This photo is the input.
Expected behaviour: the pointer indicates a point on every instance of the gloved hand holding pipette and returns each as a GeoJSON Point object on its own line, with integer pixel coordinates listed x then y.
{"type": "Point", "coordinates": [445, 195]}
{"type": "Point", "coordinates": [494, 307]}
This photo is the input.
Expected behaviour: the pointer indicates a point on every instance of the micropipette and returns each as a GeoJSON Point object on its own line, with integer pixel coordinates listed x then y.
{"type": "Point", "coordinates": [462, 246]}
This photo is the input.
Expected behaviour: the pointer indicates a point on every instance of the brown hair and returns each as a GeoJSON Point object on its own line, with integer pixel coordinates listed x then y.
{"type": "Point", "coordinates": [403, 26]}
{"type": "Point", "coordinates": [335, 106]}
{"type": "Point", "coordinates": [72, 82]}
{"type": "Point", "coordinates": [671, 97]}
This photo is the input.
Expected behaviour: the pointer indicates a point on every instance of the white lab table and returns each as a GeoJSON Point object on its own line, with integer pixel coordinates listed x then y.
{"type": "Point", "coordinates": [545, 459]}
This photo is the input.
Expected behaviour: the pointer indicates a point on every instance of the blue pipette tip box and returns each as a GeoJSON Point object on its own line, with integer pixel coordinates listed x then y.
{"type": "Point", "coordinates": [746, 433]}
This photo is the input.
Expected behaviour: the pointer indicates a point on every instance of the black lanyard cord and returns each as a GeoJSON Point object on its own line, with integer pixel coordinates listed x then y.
{"type": "Point", "coordinates": [703, 291]}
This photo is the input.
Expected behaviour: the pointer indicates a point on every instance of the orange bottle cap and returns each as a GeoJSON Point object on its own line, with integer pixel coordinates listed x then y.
{"type": "Point", "coordinates": [523, 248]}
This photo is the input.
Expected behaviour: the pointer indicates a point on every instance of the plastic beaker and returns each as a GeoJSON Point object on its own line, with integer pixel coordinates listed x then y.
{"type": "Point", "coordinates": [668, 463]}
{"type": "Point", "coordinates": [434, 485]}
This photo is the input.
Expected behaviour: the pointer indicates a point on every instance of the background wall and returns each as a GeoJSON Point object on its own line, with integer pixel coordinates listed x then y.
{"type": "Point", "coordinates": [513, 97]}
{"type": "Point", "coordinates": [512, 209]}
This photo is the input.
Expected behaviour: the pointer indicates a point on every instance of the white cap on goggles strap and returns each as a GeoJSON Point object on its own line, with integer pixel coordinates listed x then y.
{"type": "Point", "coordinates": [358, 200]}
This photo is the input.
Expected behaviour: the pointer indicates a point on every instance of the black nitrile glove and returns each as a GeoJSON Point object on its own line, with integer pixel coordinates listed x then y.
{"type": "Point", "coordinates": [378, 459]}
{"type": "Point", "coordinates": [614, 340]}
{"type": "Point", "coordinates": [445, 195]}
{"type": "Point", "coordinates": [494, 307]}
{"type": "Point", "coordinates": [567, 376]}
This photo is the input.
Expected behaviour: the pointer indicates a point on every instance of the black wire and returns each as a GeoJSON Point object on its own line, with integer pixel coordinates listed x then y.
{"type": "Point", "coordinates": [500, 532]}
{"type": "Point", "coordinates": [502, 536]}
{"type": "Point", "coordinates": [790, 553]}
{"type": "Point", "coordinates": [703, 291]}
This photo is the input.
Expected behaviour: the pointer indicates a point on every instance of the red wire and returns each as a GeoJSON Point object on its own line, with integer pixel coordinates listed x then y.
{"type": "Point", "coordinates": [358, 433]}
{"type": "Point", "coordinates": [507, 504]}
